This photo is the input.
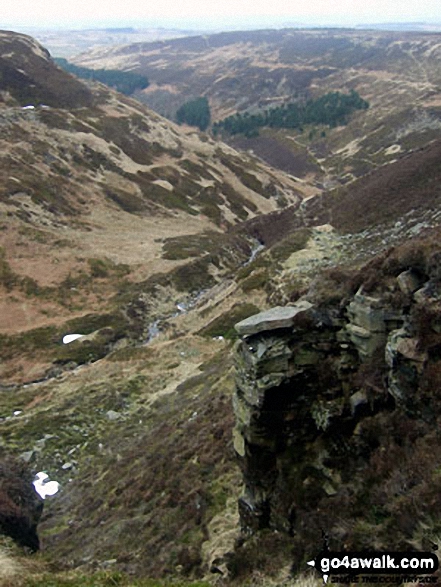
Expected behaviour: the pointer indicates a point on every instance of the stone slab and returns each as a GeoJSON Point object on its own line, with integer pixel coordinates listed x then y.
{"type": "Point", "coordinates": [278, 317]}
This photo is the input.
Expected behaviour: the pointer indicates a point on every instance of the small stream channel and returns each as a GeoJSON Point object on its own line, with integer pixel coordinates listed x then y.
{"type": "Point", "coordinates": [184, 306]}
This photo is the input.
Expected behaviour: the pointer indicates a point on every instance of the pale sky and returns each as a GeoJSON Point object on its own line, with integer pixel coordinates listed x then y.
{"type": "Point", "coordinates": [90, 13]}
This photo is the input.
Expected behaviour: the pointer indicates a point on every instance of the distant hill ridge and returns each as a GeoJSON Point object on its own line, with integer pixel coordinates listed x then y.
{"type": "Point", "coordinates": [397, 72]}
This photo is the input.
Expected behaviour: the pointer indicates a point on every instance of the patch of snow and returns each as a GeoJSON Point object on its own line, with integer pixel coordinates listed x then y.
{"type": "Point", "coordinates": [350, 149]}
{"type": "Point", "coordinates": [68, 338]}
{"type": "Point", "coordinates": [44, 487]}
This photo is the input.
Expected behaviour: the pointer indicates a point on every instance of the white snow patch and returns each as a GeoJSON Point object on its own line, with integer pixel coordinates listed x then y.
{"type": "Point", "coordinates": [44, 487]}
{"type": "Point", "coordinates": [71, 337]}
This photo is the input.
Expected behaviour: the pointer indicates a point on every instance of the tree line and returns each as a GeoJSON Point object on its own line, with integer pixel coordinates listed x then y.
{"type": "Point", "coordinates": [125, 82]}
{"type": "Point", "coordinates": [332, 109]}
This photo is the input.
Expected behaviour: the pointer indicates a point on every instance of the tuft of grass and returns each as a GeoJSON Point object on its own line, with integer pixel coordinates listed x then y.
{"type": "Point", "coordinates": [47, 340]}
{"type": "Point", "coordinates": [224, 325]}
{"type": "Point", "coordinates": [8, 278]}
{"type": "Point", "coordinates": [193, 276]}
{"type": "Point", "coordinates": [256, 280]}
{"type": "Point", "coordinates": [294, 242]}
{"type": "Point", "coordinates": [130, 203]}
{"type": "Point", "coordinates": [106, 267]}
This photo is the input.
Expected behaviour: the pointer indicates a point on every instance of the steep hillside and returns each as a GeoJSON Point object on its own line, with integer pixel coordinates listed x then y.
{"type": "Point", "coordinates": [92, 186]}
{"type": "Point", "coordinates": [141, 439]}
{"type": "Point", "coordinates": [28, 76]}
{"type": "Point", "coordinates": [397, 73]}
{"type": "Point", "coordinates": [153, 242]}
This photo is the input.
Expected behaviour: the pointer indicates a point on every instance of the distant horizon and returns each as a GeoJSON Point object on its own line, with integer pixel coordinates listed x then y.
{"type": "Point", "coordinates": [218, 25]}
{"type": "Point", "coordinates": [225, 15]}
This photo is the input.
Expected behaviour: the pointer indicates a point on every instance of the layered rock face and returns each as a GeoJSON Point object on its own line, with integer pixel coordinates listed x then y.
{"type": "Point", "coordinates": [313, 384]}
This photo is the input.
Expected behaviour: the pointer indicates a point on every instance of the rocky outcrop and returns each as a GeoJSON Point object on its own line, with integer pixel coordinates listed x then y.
{"type": "Point", "coordinates": [288, 393]}
{"type": "Point", "coordinates": [369, 321]}
{"type": "Point", "coordinates": [310, 381]}
{"type": "Point", "coordinates": [20, 506]}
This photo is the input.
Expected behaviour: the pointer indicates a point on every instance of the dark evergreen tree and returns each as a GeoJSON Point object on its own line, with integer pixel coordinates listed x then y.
{"type": "Point", "coordinates": [195, 113]}
{"type": "Point", "coordinates": [332, 109]}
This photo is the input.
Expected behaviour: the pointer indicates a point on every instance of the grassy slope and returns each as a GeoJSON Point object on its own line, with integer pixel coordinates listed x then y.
{"type": "Point", "coordinates": [90, 196]}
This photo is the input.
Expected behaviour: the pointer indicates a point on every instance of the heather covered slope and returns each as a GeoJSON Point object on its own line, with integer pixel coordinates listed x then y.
{"type": "Point", "coordinates": [409, 186]}
{"type": "Point", "coordinates": [28, 76]}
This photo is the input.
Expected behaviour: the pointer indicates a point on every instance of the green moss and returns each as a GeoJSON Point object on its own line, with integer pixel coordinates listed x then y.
{"type": "Point", "coordinates": [238, 204]}
{"type": "Point", "coordinates": [50, 195]}
{"type": "Point", "coordinates": [260, 261]}
{"type": "Point", "coordinates": [10, 280]}
{"type": "Point", "coordinates": [209, 200]}
{"type": "Point", "coordinates": [47, 340]}
{"type": "Point", "coordinates": [92, 322]}
{"type": "Point", "coordinates": [98, 268]}
{"type": "Point", "coordinates": [193, 245]}
{"type": "Point", "coordinates": [169, 199]}
{"type": "Point", "coordinates": [212, 212]}
{"type": "Point", "coordinates": [28, 342]}
{"type": "Point", "coordinates": [31, 288]}
{"type": "Point", "coordinates": [84, 351]}
{"type": "Point", "coordinates": [56, 119]}
{"type": "Point", "coordinates": [118, 131]}
{"type": "Point", "coordinates": [106, 267]}
{"type": "Point", "coordinates": [195, 169]}
{"type": "Point", "coordinates": [33, 234]}
{"type": "Point", "coordinates": [249, 180]}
